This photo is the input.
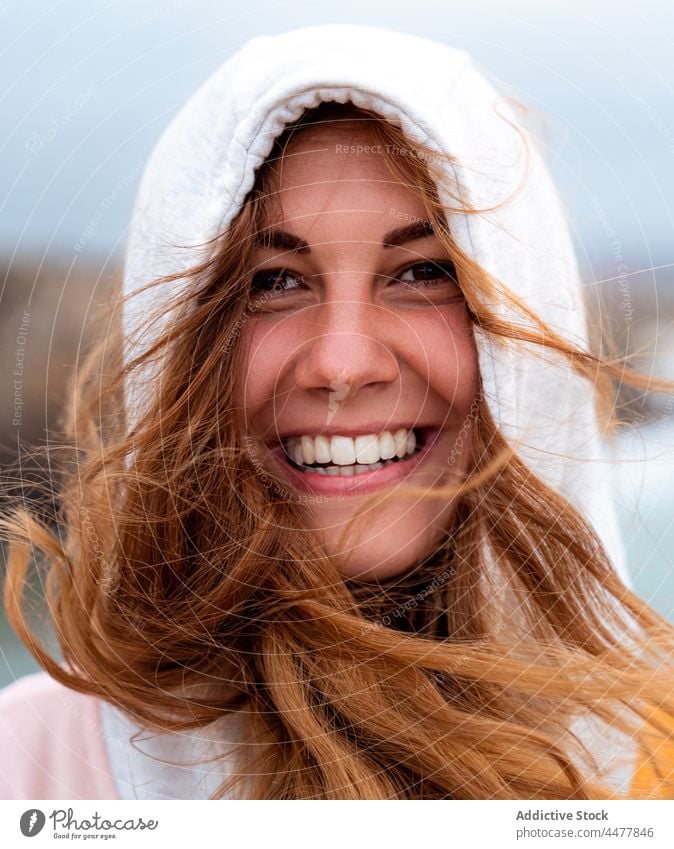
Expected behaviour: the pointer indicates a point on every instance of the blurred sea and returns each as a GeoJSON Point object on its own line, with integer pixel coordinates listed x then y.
{"type": "Point", "coordinates": [644, 486]}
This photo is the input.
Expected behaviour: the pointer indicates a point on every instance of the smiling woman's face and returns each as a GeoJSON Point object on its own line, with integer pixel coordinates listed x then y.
{"type": "Point", "coordinates": [359, 365]}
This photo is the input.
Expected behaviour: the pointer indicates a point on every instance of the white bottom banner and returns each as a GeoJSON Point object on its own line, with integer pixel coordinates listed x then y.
{"type": "Point", "coordinates": [343, 825]}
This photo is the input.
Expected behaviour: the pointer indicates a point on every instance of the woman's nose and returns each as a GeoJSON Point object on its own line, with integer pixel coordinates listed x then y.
{"type": "Point", "coordinates": [347, 348]}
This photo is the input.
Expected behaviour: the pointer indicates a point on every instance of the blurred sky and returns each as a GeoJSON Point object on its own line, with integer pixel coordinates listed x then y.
{"type": "Point", "coordinates": [88, 87]}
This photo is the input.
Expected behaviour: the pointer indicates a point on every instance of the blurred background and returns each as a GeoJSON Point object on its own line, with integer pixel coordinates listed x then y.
{"type": "Point", "coordinates": [88, 88]}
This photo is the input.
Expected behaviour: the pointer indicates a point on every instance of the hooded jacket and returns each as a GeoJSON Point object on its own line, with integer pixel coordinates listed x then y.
{"type": "Point", "coordinates": [199, 175]}
{"type": "Point", "coordinates": [204, 165]}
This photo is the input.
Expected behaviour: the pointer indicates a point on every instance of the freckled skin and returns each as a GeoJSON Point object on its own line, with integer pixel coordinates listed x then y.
{"type": "Point", "coordinates": [406, 355]}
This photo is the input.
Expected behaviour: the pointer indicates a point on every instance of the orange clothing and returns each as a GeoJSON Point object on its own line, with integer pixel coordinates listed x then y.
{"type": "Point", "coordinates": [654, 775]}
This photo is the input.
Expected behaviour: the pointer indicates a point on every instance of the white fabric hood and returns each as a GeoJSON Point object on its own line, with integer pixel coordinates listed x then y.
{"type": "Point", "coordinates": [204, 165]}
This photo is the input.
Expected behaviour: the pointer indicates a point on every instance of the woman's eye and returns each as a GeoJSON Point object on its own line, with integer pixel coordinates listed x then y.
{"type": "Point", "coordinates": [429, 274]}
{"type": "Point", "coordinates": [275, 281]}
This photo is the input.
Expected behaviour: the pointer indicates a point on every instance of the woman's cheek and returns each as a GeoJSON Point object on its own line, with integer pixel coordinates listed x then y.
{"type": "Point", "coordinates": [447, 357]}
{"type": "Point", "coordinates": [267, 351]}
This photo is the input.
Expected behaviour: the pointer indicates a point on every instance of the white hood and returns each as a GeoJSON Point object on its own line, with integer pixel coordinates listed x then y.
{"type": "Point", "coordinates": [204, 165]}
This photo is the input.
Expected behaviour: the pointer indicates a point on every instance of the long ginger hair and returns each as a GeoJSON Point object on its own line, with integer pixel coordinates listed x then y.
{"type": "Point", "coordinates": [184, 585]}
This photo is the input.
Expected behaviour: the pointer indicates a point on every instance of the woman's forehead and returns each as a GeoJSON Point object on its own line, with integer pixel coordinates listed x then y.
{"type": "Point", "coordinates": [323, 176]}
{"type": "Point", "coordinates": [321, 153]}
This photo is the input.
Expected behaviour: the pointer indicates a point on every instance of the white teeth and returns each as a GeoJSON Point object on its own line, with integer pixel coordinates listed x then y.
{"type": "Point", "coordinates": [387, 446]}
{"type": "Point", "coordinates": [400, 439]}
{"type": "Point", "coordinates": [362, 453]}
{"type": "Point", "coordinates": [356, 469]}
{"type": "Point", "coordinates": [342, 450]}
{"type": "Point", "coordinates": [296, 452]}
{"type": "Point", "coordinates": [322, 449]}
{"type": "Point", "coordinates": [367, 449]}
{"type": "Point", "coordinates": [308, 451]}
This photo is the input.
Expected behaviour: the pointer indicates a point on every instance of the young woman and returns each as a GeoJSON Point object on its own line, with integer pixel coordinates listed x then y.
{"type": "Point", "coordinates": [340, 526]}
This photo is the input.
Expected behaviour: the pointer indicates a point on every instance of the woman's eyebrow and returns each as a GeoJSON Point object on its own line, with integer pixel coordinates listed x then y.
{"type": "Point", "coordinates": [418, 230]}
{"type": "Point", "coordinates": [282, 239]}
{"type": "Point", "coordinates": [289, 242]}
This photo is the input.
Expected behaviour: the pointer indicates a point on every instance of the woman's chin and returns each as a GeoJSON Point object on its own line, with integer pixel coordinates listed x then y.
{"type": "Point", "coordinates": [385, 551]}
{"type": "Point", "coordinates": [365, 570]}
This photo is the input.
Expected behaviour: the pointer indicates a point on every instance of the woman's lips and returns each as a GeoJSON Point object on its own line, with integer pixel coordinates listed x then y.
{"type": "Point", "coordinates": [359, 484]}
